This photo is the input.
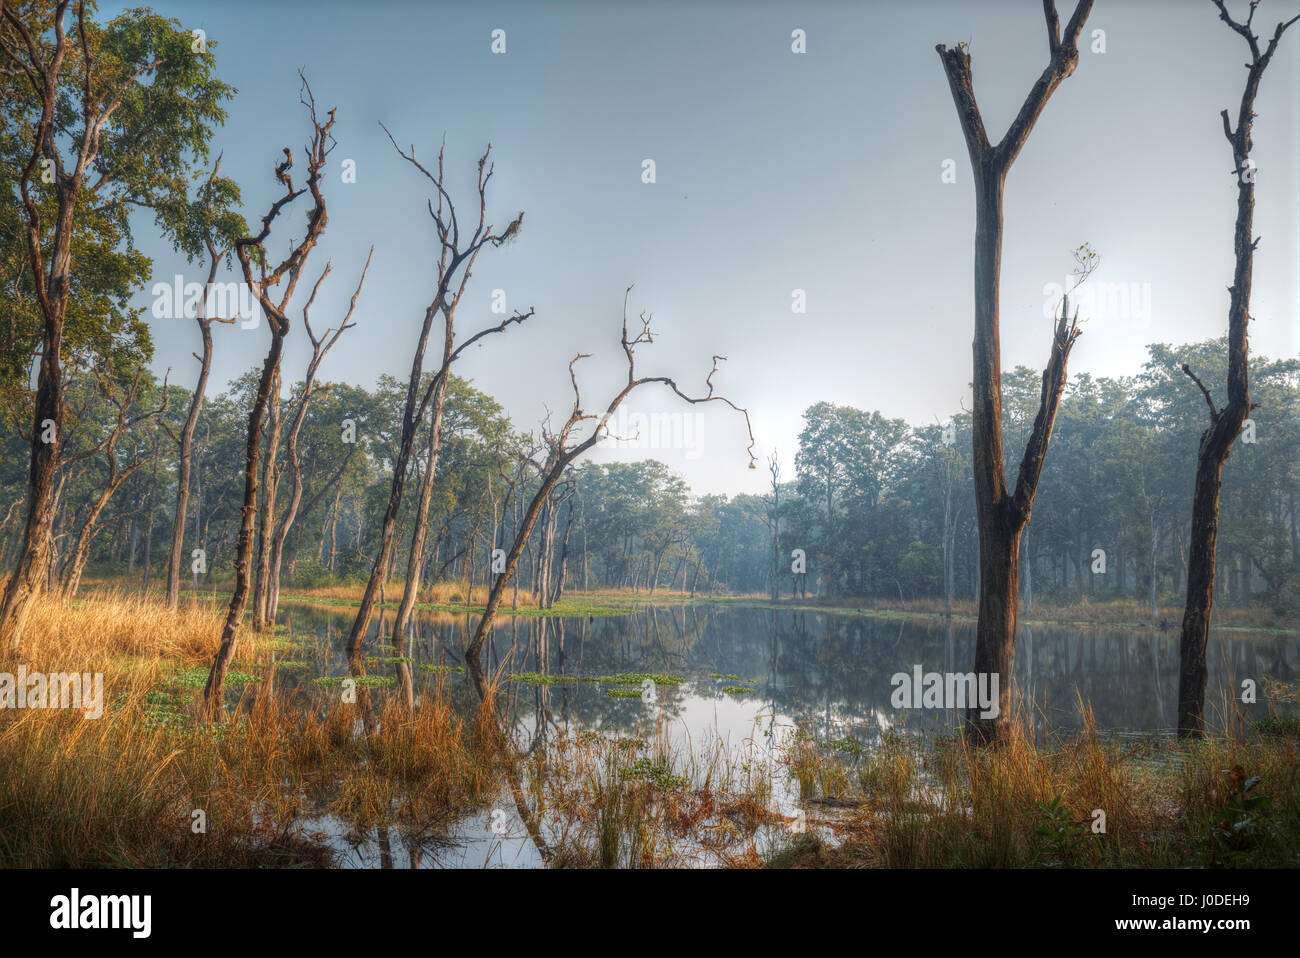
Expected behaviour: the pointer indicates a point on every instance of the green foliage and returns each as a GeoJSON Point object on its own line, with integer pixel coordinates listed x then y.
{"type": "Point", "coordinates": [149, 152]}
{"type": "Point", "coordinates": [1238, 821]}
{"type": "Point", "coordinates": [1063, 839]}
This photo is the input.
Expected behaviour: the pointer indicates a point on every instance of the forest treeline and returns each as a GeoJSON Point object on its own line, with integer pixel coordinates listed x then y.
{"type": "Point", "coordinates": [875, 506]}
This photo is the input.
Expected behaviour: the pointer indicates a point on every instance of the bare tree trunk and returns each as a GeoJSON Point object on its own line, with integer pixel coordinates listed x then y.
{"type": "Point", "coordinates": [266, 513]}
{"type": "Point", "coordinates": [263, 282]}
{"type": "Point", "coordinates": [1000, 512]}
{"type": "Point", "coordinates": [558, 589]}
{"type": "Point", "coordinates": [319, 348]}
{"type": "Point", "coordinates": [1155, 543]}
{"type": "Point", "coordinates": [415, 560]}
{"type": "Point", "coordinates": [148, 534]}
{"type": "Point", "coordinates": [132, 544]}
{"type": "Point", "coordinates": [1028, 572]}
{"type": "Point", "coordinates": [1225, 425]}
{"type": "Point", "coordinates": [453, 260]}
{"type": "Point", "coordinates": [186, 441]}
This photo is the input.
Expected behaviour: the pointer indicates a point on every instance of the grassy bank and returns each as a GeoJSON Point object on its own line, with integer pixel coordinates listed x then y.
{"type": "Point", "coordinates": [1082, 802]}
{"type": "Point", "coordinates": [124, 789]}
{"type": "Point", "coordinates": [448, 597]}
{"type": "Point", "coordinates": [296, 767]}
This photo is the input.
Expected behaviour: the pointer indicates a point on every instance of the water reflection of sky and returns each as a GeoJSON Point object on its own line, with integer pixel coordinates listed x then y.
{"type": "Point", "coordinates": [830, 675]}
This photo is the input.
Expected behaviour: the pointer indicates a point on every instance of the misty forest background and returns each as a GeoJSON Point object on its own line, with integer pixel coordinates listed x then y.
{"type": "Point", "coordinates": [876, 504]}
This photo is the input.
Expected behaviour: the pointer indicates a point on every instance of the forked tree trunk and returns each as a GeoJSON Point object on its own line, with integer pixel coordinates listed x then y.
{"type": "Point", "coordinates": [456, 263]}
{"type": "Point", "coordinates": [1001, 513]}
{"type": "Point", "coordinates": [320, 347]}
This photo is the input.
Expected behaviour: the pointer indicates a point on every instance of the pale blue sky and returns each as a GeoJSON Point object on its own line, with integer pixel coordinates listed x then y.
{"type": "Point", "coordinates": [775, 171]}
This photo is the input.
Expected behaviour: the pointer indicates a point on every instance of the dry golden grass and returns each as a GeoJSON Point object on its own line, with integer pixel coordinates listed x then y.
{"type": "Point", "coordinates": [435, 593]}
{"type": "Point", "coordinates": [121, 790]}
{"type": "Point", "coordinates": [952, 805]}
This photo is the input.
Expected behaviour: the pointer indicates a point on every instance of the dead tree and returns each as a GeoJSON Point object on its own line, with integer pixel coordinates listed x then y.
{"type": "Point", "coordinates": [455, 263]}
{"type": "Point", "coordinates": [264, 282]}
{"type": "Point", "coordinates": [320, 347]}
{"type": "Point", "coordinates": [1002, 513]}
{"type": "Point", "coordinates": [948, 466]}
{"type": "Point", "coordinates": [559, 455]}
{"type": "Point", "coordinates": [566, 497]}
{"type": "Point", "coordinates": [415, 559]}
{"type": "Point", "coordinates": [1226, 423]}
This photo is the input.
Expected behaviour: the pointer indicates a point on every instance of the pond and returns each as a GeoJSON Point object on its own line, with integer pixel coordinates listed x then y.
{"type": "Point", "coordinates": [735, 683]}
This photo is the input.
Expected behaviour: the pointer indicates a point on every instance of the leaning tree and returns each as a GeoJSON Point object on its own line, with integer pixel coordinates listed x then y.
{"type": "Point", "coordinates": [207, 225]}
{"type": "Point", "coordinates": [563, 447]}
{"type": "Point", "coordinates": [457, 254]}
{"type": "Point", "coordinates": [274, 287]}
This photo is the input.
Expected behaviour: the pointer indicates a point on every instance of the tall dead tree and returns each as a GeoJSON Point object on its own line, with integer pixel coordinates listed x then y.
{"type": "Point", "coordinates": [456, 259]}
{"type": "Point", "coordinates": [264, 282]}
{"type": "Point", "coordinates": [320, 347]}
{"type": "Point", "coordinates": [559, 455]}
{"type": "Point", "coordinates": [1002, 513]}
{"type": "Point", "coordinates": [1226, 423]}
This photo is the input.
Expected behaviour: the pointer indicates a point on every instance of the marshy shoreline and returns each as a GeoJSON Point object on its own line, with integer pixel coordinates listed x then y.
{"type": "Point", "coordinates": [321, 773]}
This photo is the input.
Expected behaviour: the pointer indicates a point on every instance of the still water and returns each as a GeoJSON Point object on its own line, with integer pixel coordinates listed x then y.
{"type": "Point", "coordinates": [827, 674]}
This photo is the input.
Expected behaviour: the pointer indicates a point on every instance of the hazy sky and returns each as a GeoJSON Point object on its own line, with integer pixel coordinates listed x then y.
{"type": "Point", "coordinates": [776, 171]}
